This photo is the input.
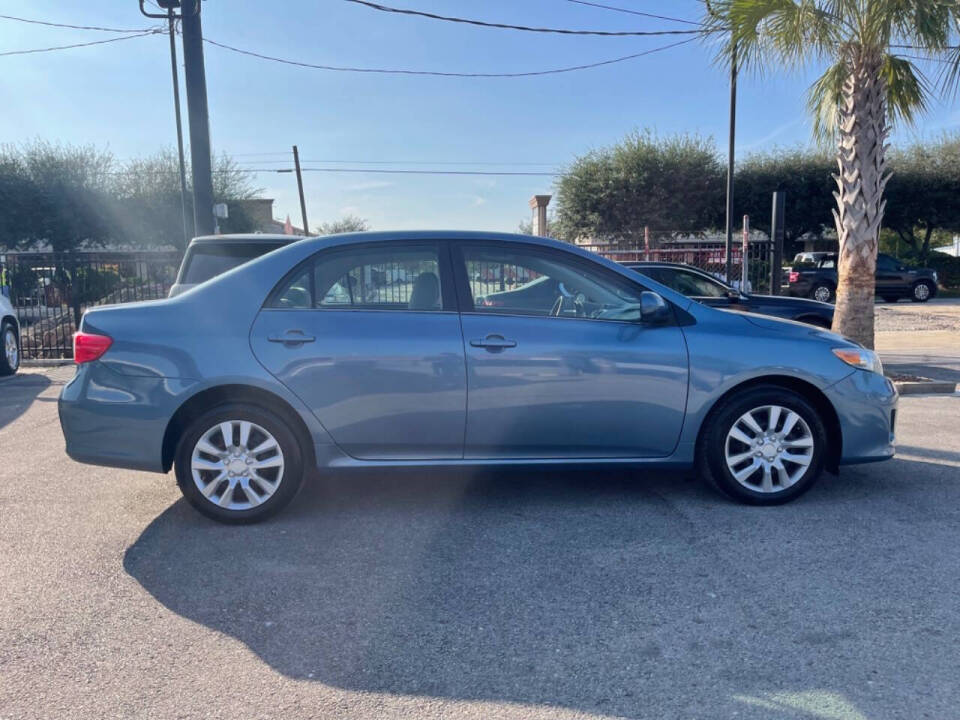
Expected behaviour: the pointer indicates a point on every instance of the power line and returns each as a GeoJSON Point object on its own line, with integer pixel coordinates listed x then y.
{"type": "Point", "coordinates": [80, 45]}
{"type": "Point", "coordinates": [634, 12]}
{"type": "Point", "coordinates": [410, 162]}
{"type": "Point", "coordinates": [437, 73]}
{"type": "Point", "coordinates": [382, 171]}
{"type": "Point", "coordinates": [75, 27]}
{"type": "Point", "coordinates": [526, 28]}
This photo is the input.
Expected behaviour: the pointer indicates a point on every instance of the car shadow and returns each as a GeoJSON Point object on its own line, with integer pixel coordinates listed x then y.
{"type": "Point", "coordinates": [17, 394]}
{"type": "Point", "coordinates": [596, 591]}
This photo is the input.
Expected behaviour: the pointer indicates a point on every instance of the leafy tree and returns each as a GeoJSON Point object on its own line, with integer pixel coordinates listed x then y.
{"type": "Point", "coordinates": [869, 84]}
{"type": "Point", "coordinates": [674, 183]}
{"type": "Point", "coordinates": [346, 224]}
{"type": "Point", "coordinates": [58, 195]}
{"type": "Point", "coordinates": [805, 177]}
{"type": "Point", "coordinates": [922, 193]}
{"type": "Point", "coordinates": [147, 210]}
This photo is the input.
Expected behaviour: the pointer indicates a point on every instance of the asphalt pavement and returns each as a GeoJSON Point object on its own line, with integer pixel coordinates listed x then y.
{"type": "Point", "coordinates": [478, 595]}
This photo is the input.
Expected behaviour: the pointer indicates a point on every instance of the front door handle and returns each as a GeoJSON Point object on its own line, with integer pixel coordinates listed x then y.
{"type": "Point", "coordinates": [493, 343]}
{"type": "Point", "coordinates": [292, 338]}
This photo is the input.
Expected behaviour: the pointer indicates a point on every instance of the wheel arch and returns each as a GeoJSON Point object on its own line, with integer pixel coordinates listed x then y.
{"type": "Point", "coordinates": [205, 399]}
{"type": "Point", "coordinates": [808, 391]}
{"type": "Point", "coordinates": [13, 321]}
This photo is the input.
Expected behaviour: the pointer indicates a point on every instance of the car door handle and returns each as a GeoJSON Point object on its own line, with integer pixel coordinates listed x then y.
{"type": "Point", "coordinates": [292, 337]}
{"type": "Point", "coordinates": [493, 343]}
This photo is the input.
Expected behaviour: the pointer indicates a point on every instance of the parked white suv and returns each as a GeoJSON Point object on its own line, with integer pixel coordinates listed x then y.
{"type": "Point", "coordinates": [9, 338]}
{"type": "Point", "coordinates": [210, 255]}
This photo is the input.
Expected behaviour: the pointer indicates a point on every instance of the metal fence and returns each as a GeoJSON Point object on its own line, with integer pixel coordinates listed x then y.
{"type": "Point", "coordinates": [50, 291]}
{"type": "Point", "coordinates": [750, 260]}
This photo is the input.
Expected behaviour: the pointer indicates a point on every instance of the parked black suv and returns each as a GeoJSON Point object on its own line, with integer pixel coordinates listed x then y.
{"type": "Point", "coordinates": [814, 275]}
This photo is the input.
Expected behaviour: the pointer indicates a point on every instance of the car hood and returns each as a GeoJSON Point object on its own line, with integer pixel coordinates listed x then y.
{"type": "Point", "coordinates": [793, 302]}
{"type": "Point", "coordinates": [796, 329]}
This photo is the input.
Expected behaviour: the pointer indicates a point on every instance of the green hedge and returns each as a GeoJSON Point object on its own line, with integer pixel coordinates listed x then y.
{"type": "Point", "coordinates": [947, 267]}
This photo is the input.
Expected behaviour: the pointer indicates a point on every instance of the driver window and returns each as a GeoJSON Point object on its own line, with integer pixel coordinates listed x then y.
{"type": "Point", "coordinates": [521, 281]}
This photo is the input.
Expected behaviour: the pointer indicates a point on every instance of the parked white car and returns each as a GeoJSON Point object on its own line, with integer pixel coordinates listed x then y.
{"type": "Point", "coordinates": [9, 338]}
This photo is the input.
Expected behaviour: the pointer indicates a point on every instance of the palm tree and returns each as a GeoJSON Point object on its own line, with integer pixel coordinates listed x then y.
{"type": "Point", "coordinates": [871, 83]}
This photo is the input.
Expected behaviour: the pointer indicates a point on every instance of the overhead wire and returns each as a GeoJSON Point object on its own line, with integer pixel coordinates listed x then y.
{"type": "Point", "coordinates": [438, 73]}
{"type": "Point", "coordinates": [525, 28]}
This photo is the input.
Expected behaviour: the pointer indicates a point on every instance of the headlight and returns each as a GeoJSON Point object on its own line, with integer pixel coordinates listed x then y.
{"type": "Point", "coordinates": [860, 358]}
{"type": "Point", "coordinates": [935, 278]}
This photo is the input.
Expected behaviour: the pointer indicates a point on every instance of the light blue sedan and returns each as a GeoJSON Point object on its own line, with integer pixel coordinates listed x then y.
{"type": "Point", "coordinates": [460, 348]}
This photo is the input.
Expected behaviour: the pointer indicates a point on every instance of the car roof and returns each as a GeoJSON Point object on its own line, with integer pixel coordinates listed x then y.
{"type": "Point", "coordinates": [245, 238]}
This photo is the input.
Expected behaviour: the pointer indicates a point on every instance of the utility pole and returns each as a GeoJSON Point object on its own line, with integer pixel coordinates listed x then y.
{"type": "Point", "coordinates": [171, 19]}
{"type": "Point", "coordinates": [196, 87]}
{"type": "Point", "coordinates": [303, 203]}
{"type": "Point", "coordinates": [731, 147]}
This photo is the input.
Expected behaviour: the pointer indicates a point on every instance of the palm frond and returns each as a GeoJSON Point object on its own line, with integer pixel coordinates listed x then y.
{"type": "Point", "coordinates": [907, 89]}
{"type": "Point", "coordinates": [823, 99]}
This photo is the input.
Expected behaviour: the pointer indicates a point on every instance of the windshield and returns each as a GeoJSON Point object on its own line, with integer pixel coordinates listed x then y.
{"type": "Point", "coordinates": [203, 262]}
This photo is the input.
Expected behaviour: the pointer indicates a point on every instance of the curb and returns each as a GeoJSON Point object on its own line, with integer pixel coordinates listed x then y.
{"type": "Point", "coordinates": [930, 387]}
{"type": "Point", "coordinates": [44, 363]}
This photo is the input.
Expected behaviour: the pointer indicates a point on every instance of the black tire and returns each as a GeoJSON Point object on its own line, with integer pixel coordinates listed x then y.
{"type": "Point", "coordinates": [922, 291]}
{"type": "Point", "coordinates": [8, 330]}
{"type": "Point", "coordinates": [713, 439]}
{"type": "Point", "coordinates": [891, 298]}
{"type": "Point", "coordinates": [292, 455]}
{"type": "Point", "coordinates": [824, 292]}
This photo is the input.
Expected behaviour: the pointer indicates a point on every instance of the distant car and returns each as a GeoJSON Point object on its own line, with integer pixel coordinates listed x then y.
{"type": "Point", "coordinates": [273, 378]}
{"type": "Point", "coordinates": [210, 255]}
{"type": "Point", "coordinates": [707, 289]}
{"type": "Point", "coordinates": [9, 338]}
{"type": "Point", "coordinates": [814, 275]}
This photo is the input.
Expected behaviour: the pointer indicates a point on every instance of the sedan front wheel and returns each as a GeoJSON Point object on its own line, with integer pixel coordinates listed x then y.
{"type": "Point", "coordinates": [765, 446]}
{"type": "Point", "coordinates": [238, 463]}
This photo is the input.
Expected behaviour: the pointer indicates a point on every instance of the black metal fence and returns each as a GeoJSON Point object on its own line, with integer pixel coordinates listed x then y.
{"type": "Point", "coordinates": [50, 291]}
{"type": "Point", "coordinates": [750, 261]}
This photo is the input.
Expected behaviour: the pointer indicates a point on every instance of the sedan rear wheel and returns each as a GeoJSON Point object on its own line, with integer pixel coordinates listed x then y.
{"type": "Point", "coordinates": [238, 463]}
{"type": "Point", "coordinates": [765, 446]}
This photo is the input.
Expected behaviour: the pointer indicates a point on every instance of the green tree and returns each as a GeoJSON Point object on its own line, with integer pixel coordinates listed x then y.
{"type": "Point", "coordinates": [346, 224]}
{"type": "Point", "coordinates": [673, 183]}
{"type": "Point", "coordinates": [805, 177]}
{"type": "Point", "coordinates": [147, 211]}
{"type": "Point", "coordinates": [922, 195]}
{"type": "Point", "coordinates": [56, 194]}
{"type": "Point", "coordinates": [869, 84]}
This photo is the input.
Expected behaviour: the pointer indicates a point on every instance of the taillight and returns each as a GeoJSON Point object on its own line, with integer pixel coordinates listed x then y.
{"type": "Point", "coordinates": [88, 347]}
{"type": "Point", "coordinates": [794, 276]}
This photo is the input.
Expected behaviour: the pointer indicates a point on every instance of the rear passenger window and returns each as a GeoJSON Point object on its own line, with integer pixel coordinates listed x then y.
{"type": "Point", "coordinates": [371, 278]}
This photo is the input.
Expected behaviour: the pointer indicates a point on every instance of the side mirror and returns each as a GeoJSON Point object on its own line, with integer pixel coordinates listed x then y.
{"type": "Point", "coordinates": [653, 308]}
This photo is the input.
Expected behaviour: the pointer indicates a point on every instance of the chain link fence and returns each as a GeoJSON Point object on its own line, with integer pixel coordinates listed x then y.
{"type": "Point", "coordinates": [50, 291]}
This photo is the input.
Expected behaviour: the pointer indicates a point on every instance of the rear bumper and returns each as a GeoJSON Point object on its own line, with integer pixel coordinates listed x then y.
{"type": "Point", "coordinates": [866, 405]}
{"type": "Point", "coordinates": [117, 420]}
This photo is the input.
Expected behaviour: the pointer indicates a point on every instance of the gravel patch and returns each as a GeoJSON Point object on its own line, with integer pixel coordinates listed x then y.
{"type": "Point", "coordinates": [909, 318]}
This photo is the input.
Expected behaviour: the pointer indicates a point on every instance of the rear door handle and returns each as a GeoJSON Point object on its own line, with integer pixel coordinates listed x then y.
{"type": "Point", "coordinates": [494, 343]}
{"type": "Point", "coordinates": [292, 337]}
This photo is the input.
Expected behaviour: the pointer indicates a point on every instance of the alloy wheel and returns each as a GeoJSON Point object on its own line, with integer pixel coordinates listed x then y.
{"type": "Point", "coordinates": [822, 293]}
{"type": "Point", "coordinates": [237, 465]}
{"type": "Point", "coordinates": [921, 291]}
{"type": "Point", "coordinates": [11, 349]}
{"type": "Point", "coordinates": [769, 449]}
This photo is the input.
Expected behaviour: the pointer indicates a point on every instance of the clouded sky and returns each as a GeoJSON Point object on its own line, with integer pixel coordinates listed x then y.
{"type": "Point", "coordinates": [118, 96]}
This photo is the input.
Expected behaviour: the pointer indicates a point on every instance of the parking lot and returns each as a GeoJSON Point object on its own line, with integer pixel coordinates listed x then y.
{"type": "Point", "coordinates": [457, 594]}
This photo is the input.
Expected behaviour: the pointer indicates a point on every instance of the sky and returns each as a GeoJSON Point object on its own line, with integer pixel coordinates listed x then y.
{"type": "Point", "coordinates": [118, 96]}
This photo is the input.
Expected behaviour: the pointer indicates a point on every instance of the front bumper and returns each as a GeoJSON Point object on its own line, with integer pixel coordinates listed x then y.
{"type": "Point", "coordinates": [866, 405]}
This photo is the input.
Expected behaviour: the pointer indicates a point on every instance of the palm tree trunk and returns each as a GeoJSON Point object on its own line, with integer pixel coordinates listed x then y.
{"type": "Point", "coordinates": [862, 129]}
